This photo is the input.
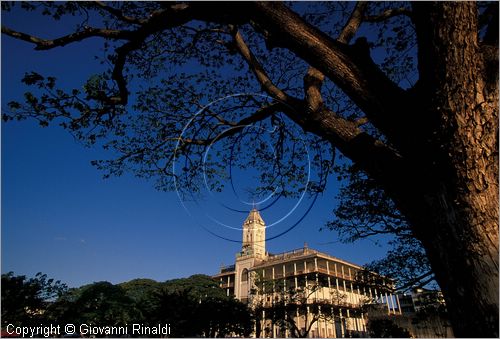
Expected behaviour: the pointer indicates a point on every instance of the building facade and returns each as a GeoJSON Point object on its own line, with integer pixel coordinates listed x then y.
{"type": "Point", "coordinates": [303, 291]}
{"type": "Point", "coordinates": [424, 314]}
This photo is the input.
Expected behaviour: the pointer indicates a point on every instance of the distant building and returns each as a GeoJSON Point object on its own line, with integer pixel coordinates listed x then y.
{"type": "Point", "coordinates": [340, 291]}
{"type": "Point", "coordinates": [424, 314]}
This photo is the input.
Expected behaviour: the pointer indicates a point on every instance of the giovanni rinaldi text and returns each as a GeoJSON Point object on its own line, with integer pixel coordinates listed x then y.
{"type": "Point", "coordinates": [86, 329]}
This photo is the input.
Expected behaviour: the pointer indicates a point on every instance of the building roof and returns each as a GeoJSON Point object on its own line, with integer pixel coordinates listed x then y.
{"type": "Point", "coordinates": [254, 216]}
{"type": "Point", "coordinates": [300, 253]}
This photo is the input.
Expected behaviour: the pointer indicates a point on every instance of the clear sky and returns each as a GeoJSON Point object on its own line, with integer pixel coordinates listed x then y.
{"type": "Point", "coordinates": [61, 218]}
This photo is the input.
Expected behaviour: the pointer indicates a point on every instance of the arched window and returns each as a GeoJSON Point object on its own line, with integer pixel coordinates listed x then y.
{"type": "Point", "coordinates": [244, 275]}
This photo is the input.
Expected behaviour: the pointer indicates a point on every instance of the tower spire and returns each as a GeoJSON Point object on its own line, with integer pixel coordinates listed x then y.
{"type": "Point", "coordinates": [254, 234]}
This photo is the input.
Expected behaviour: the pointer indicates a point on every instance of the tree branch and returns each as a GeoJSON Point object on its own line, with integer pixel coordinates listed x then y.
{"type": "Point", "coordinates": [350, 67]}
{"type": "Point", "coordinates": [343, 134]}
{"type": "Point", "coordinates": [390, 13]}
{"type": "Point", "coordinates": [257, 68]}
{"type": "Point", "coordinates": [416, 280]}
{"type": "Point", "coordinates": [261, 114]}
{"type": "Point", "coordinates": [371, 90]}
{"type": "Point", "coordinates": [119, 14]}
{"type": "Point", "coordinates": [353, 23]}
{"type": "Point", "coordinates": [45, 44]}
{"type": "Point", "coordinates": [117, 75]}
{"type": "Point", "coordinates": [313, 80]}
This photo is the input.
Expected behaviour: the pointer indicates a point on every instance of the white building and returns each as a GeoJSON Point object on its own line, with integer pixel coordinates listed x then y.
{"type": "Point", "coordinates": [314, 292]}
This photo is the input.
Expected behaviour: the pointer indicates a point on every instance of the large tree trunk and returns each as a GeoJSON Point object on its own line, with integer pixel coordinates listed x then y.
{"type": "Point", "coordinates": [458, 225]}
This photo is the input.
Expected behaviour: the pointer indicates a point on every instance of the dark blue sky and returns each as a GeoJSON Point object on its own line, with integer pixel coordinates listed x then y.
{"type": "Point", "coordinates": [61, 218]}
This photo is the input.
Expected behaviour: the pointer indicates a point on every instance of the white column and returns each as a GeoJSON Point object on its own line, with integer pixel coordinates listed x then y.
{"type": "Point", "coordinates": [353, 295]}
{"type": "Point", "coordinates": [345, 291]}
{"type": "Point", "coordinates": [307, 317]}
{"type": "Point", "coordinates": [305, 270]}
{"type": "Point", "coordinates": [263, 281]}
{"type": "Point", "coordinates": [317, 277]}
{"type": "Point", "coordinates": [295, 274]}
{"type": "Point", "coordinates": [318, 323]}
{"type": "Point", "coordinates": [334, 329]}
{"type": "Point", "coordinates": [399, 305]}
{"type": "Point", "coordinates": [363, 322]}
{"type": "Point", "coordinates": [274, 289]}
{"type": "Point", "coordinates": [348, 317]}
{"type": "Point", "coordinates": [342, 330]}
{"type": "Point", "coordinates": [391, 299]}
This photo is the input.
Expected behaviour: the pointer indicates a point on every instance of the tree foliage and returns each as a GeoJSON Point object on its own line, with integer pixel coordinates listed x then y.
{"type": "Point", "coordinates": [25, 300]}
{"type": "Point", "coordinates": [386, 328]}
{"type": "Point", "coordinates": [193, 306]}
{"type": "Point", "coordinates": [365, 211]}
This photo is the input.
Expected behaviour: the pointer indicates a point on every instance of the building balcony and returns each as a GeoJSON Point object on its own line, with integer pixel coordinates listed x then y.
{"type": "Point", "coordinates": [227, 285]}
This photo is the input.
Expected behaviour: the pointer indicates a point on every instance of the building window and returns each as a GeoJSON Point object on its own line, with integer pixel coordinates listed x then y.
{"type": "Point", "coordinates": [244, 275]}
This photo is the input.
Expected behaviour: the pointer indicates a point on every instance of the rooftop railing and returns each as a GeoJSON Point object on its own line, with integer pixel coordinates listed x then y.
{"type": "Point", "coordinates": [228, 268]}
{"type": "Point", "coordinates": [291, 254]}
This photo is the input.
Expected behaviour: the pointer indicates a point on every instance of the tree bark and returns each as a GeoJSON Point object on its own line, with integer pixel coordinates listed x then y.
{"type": "Point", "coordinates": [458, 221]}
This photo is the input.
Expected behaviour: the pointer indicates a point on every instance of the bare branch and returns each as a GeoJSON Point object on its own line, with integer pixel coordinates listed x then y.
{"type": "Point", "coordinates": [353, 23]}
{"type": "Point", "coordinates": [117, 75]}
{"type": "Point", "coordinates": [88, 32]}
{"type": "Point", "coordinates": [313, 80]}
{"type": "Point", "coordinates": [362, 121]}
{"type": "Point", "coordinates": [416, 280]}
{"type": "Point", "coordinates": [257, 68]}
{"type": "Point", "coordinates": [261, 114]}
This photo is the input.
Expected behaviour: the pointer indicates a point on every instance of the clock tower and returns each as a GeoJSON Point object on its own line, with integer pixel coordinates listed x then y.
{"type": "Point", "coordinates": [254, 235]}
{"type": "Point", "coordinates": [253, 252]}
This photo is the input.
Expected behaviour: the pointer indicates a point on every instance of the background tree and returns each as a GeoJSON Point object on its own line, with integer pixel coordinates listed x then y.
{"type": "Point", "coordinates": [386, 328]}
{"type": "Point", "coordinates": [426, 132]}
{"type": "Point", "coordinates": [198, 307]}
{"type": "Point", "coordinates": [143, 292]}
{"type": "Point", "coordinates": [365, 211]}
{"type": "Point", "coordinates": [25, 301]}
{"type": "Point", "coordinates": [100, 304]}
